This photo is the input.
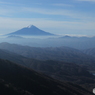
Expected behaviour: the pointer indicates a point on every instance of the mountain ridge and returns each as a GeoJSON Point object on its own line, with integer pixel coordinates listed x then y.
{"type": "Point", "coordinates": [65, 54]}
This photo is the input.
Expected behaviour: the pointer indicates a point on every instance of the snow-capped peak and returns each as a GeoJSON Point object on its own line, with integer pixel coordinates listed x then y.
{"type": "Point", "coordinates": [29, 26]}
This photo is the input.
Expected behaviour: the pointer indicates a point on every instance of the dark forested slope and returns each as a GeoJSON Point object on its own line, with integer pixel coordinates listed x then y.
{"type": "Point", "coordinates": [35, 83]}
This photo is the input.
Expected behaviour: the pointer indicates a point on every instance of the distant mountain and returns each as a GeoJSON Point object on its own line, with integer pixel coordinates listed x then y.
{"type": "Point", "coordinates": [15, 37]}
{"type": "Point", "coordinates": [18, 80]}
{"type": "Point", "coordinates": [66, 36]}
{"type": "Point", "coordinates": [31, 31]}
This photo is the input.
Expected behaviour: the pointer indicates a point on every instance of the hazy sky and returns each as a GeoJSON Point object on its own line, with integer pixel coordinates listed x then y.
{"type": "Point", "coordinates": [54, 16]}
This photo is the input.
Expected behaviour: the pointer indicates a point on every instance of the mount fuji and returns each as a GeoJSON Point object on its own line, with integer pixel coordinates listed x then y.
{"type": "Point", "coordinates": [31, 31]}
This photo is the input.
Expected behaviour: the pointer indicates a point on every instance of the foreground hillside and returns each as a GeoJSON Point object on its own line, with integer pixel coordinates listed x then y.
{"type": "Point", "coordinates": [8, 89]}
{"type": "Point", "coordinates": [34, 83]}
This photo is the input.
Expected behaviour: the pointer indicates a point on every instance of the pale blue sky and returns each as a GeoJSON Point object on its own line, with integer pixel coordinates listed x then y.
{"type": "Point", "coordinates": [75, 17]}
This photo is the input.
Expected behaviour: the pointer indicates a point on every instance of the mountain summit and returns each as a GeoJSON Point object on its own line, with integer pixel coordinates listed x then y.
{"type": "Point", "coordinates": [31, 26]}
{"type": "Point", "coordinates": [32, 31]}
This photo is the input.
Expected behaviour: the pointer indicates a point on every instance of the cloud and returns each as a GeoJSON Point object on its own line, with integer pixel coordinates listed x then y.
{"type": "Point", "coordinates": [87, 0]}
{"type": "Point", "coordinates": [6, 12]}
{"type": "Point", "coordinates": [51, 11]}
{"type": "Point", "coordinates": [48, 11]}
{"type": "Point", "coordinates": [10, 3]}
{"type": "Point", "coordinates": [62, 5]}
{"type": "Point", "coordinates": [9, 11]}
{"type": "Point", "coordinates": [38, 3]}
{"type": "Point", "coordinates": [5, 3]}
{"type": "Point", "coordinates": [60, 12]}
